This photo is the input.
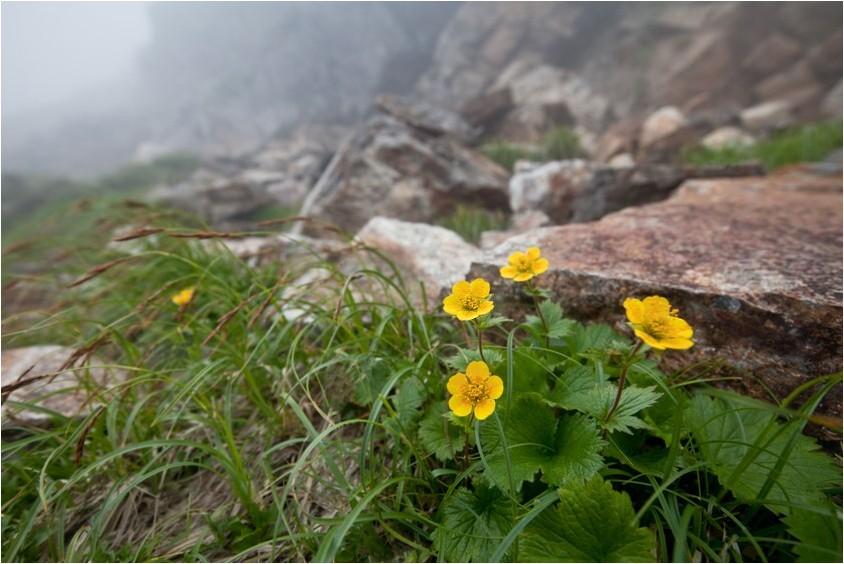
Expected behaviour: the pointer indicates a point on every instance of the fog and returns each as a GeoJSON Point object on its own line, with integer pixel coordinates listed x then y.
{"type": "Point", "coordinates": [53, 52]}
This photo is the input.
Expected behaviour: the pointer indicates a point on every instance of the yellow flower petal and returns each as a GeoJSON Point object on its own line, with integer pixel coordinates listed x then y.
{"type": "Point", "coordinates": [532, 254]}
{"type": "Point", "coordinates": [484, 408]}
{"type": "Point", "coordinates": [485, 307]}
{"type": "Point", "coordinates": [480, 288]}
{"type": "Point", "coordinates": [650, 340]}
{"type": "Point", "coordinates": [516, 259]}
{"type": "Point", "coordinates": [466, 315]}
{"type": "Point", "coordinates": [677, 343]}
{"type": "Point", "coordinates": [523, 276]}
{"type": "Point", "coordinates": [656, 306]}
{"type": "Point", "coordinates": [539, 266]}
{"type": "Point", "coordinates": [477, 371]}
{"type": "Point", "coordinates": [451, 305]}
{"type": "Point", "coordinates": [680, 328]}
{"type": "Point", "coordinates": [460, 406]}
{"type": "Point", "coordinates": [494, 387]}
{"type": "Point", "coordinates": [635, 310]}
{"type": "Point", "coordinates": [184, 297]}
{"type": "Point", "coordinates": [508, 272]}
{"type": "Point", "coordinates": [456, 384]}
{"type": "Point", "coordinates": [460, 288]}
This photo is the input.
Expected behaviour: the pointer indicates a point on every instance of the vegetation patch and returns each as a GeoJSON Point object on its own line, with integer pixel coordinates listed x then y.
{"type": "Point", "coordinates": [265, 417]}
{"type": "Point", "coordinates": [809, 143]}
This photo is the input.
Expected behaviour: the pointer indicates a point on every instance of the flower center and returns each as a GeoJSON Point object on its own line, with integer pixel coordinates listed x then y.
{"type": "Point", "coordinates": [659, 327]}
{"type": "Point", "coordinates": [470, 302]}
{"type": "Point", "coordinates": [475, 392]}
{"type": "Point", "coordinates": [524, 265]}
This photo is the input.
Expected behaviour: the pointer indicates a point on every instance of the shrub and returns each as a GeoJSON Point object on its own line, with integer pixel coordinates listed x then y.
{"type": "Point", "coordinates": [561, 143]}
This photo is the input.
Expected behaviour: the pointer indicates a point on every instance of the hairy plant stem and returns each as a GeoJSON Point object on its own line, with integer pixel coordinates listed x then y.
{"type": "Point", "coordinates": [466, 444]}
{"type": "Point", "coordinates": [532, 291]}
{"type": "Point", "coordinates": [480, 339]}
{"type": "Point", "coordinates": [622, 378]}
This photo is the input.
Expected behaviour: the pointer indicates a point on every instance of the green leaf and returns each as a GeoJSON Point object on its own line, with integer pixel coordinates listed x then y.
{"type": "Point", "coordinates": [577, 446]}
{"type": "Point", "coordinates": [748, 450]}
{"type": "Point", "coordinates": [564, 451]}
{"type": "Point", "coordinates": [558, 326]}
{"type": "Point", "coordinates": [592, 523]}
{"type": "Point", "coordinates": [408, 401]}
{"type": "Point", "coordinates": [439, 436]}
{"type": "Point", "coordinates": [633, 400]}
{"type": "Point", "coordinates": [573, 388]}
{"type": "Point", "coordinates": [819, 533]}
{"type": "Point", "coordinates": [459, 362]}
{"type": "Point", "coordinates": [472, 524]}
{"type": "Point", "coordinates": [596, 336]}
{"type": "Point", "coordinates": [531, 372]}
{"type": "Point", "coordinates": [373, 377]}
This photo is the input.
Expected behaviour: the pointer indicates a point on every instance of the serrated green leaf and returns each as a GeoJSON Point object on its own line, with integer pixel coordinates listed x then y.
{"type": "Point", "coordinates": [563, 450]}
{"type": "Point", "coordinates": [633, 400]}
{"type": "Point", "coordinates": [819, 533]}
{"type": "Point", "coordinates": [596, 336]}
{"type": "Point", "coordinates": [577, 444]}
{"type": "Point", "coordinates": [472, 524]}
{"type": "Point", "coordinates": [744, 446]}
{"type": "Point", "coordinates": [459, 362]}
{"type": "Point", "coordinates": [592, 523]}
{"type": "Point", "coordinates": [573, 387]}
{"type": "Point", "coordinates": [440, 437]}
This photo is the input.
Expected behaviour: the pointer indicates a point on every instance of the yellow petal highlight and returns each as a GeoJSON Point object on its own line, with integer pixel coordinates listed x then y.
{"type": "Point", "coordinates": [477, 369]}
{"type": "Point", "coordinates": [508, 271]}
{"type": "Point", "coordinates": [635, 310]}
{"type": "Point", "coordinates": [532, 254]}
{"type": "Point", "coordinates": [484, 408]}
{"type": "Point", "coordinates": [539, 266]}
{"type": "Point", "coordinates": [480, 288]}
{"type": "Point", "coordinates": [456, 383]}
{"type": "Point", "coordinates": [184, 297]}
{"type": "Point", "coordinates": [460, 406]}
{"type": "Point", "coordinates": [485, 308]}
{"type": "Point", "coordinates": [460, 288]}
{"type": "Point", "coordinates": [451, 304]}
{"type": "Point", "coordinates": [494, 387]}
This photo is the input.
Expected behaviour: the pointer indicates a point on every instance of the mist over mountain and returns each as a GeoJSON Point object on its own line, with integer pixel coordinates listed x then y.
{"type": "Point", "coordinates": [223, 78]}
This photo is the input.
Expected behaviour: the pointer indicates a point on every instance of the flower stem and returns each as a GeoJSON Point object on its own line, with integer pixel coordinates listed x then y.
{"type": "Point", "coordinates": [480, 340]}
{"type": "Point", "coordinates": [621, 380]}
{"type": "Point", "coordinates": [539, 311]}
{"type": "Point", "coordinates": [466, 444]}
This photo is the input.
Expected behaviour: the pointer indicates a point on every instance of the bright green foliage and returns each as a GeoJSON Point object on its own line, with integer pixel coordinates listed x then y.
{"type": "Point", "coordinates": [558, 325]}
{"type": "Point", "coordinates": [469, 221]}
{"type": "Point", "coordinates": [819, 533]}
{"type": "Point", "coordinates": [807, 143]}
{"type": "Point", "coordinates": [506, 154]}
{"type": "Point", "coordinates": [573, 388]}
{"type": "Point", "coordinates": [472, 524]}
{"type": "Point", "coordinates": [584, 338]}
{"type": "Point", "coordinates": [409, 401]}
{"type": "Point", "coordinates": [564, 450]}
{"type": "Point", "coordinates": [758, 458]}
{"type": "Point", "coordinates": [592, 523]}
{"type": "Point", "coordinates": [561, 143]}
{"type": "Point", "coordinates": [633, 400]}
{"type": "Point", "coordinates": [438, 435]}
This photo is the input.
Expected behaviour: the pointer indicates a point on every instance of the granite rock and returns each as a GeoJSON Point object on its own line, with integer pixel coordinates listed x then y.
{"type": "Point", "coordinates": [754, 264]}
{"type": "Point", "coordinates": [393, 170]}
{"type": "Point", "coordinates": [69, 391]}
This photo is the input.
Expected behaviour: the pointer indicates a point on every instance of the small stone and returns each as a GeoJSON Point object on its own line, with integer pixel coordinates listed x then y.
{"type": "Point", "coordinates": [727, 137]}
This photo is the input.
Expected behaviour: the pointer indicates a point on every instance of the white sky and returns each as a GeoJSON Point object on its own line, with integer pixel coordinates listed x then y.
{"type": "Point", "coordinates": [54, 50]}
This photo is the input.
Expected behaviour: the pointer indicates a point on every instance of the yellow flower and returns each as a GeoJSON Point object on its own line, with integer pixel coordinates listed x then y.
{"type": "Point", "coordinates": [657, 324]}
{"type": "Point", "coordinates": [184, 297]}
{"type": "Point", "coordinates": [474, 390]}
{"type": "Point", "coordinates": [468, 301]}
{"type": "Point", "coordinates": [524, 266]}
